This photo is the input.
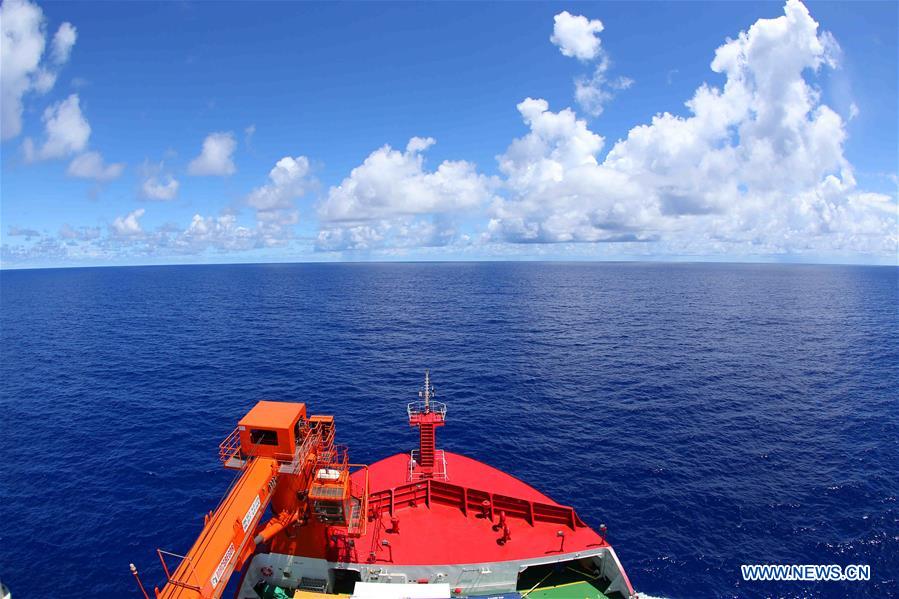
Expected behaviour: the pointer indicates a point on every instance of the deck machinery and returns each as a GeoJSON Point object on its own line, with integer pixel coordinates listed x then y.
{"type": "Point", "coordinates": [427, 523]}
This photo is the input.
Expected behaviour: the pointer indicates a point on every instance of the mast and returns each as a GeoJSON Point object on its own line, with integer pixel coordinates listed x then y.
{"type": "Point", "coordinates": [427, 392]}
{"type": "Point", "coordinates": [427, 415]}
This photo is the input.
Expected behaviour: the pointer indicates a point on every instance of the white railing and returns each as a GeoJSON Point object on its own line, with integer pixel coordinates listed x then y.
{"type": "Point", "coordinates": [418, 407]}
{"type": "Point", "coordinates": [291, 464]}
{"type": "Point", "coordinates": [439, 472]}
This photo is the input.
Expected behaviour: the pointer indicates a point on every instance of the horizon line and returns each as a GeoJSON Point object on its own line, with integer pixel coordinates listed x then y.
{"type": "Point", "coordinates": [470, 261]}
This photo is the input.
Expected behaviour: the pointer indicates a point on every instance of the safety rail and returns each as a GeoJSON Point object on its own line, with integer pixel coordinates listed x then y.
{"type": "Point", "coordinates": [292, 463]}
{"type": "Point", "coordinates": [185, 561]}
{"type": "Point", "coordinates": [470, 500]}
{"type": "Point", "coordinates": [322, 438]}
{"type": "Point", "coordinates": [336, 457]}
{"type": "Point", "coordinates": [358, 522]}
{"type": "Point", "coordinates": [323, 429]}
{"type": "Point", "coordinates": [439, 472]}
{"type": "Point", "coordinates": [420, 407]}
{"type": "Point", "coordinates": [229, 448]}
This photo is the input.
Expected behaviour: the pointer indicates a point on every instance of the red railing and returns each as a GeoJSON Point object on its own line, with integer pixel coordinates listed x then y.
{"type": "Point", "coordinates": [470, 500]}
{"type": "Point", "coordinates": [332, 456]}
{"type": "Point", "coordinates": [357, 527]}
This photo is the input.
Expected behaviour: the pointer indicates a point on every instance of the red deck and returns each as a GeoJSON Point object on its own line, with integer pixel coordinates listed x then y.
{"type": "Point", "coordinates": [443, 522]}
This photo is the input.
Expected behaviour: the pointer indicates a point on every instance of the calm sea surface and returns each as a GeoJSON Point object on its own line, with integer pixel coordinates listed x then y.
{"type": "Point", "coordinates": [710, 415]}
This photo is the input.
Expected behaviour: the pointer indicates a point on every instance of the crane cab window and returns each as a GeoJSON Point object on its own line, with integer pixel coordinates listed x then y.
{"type": "Point", "coordinates": [261, 436]}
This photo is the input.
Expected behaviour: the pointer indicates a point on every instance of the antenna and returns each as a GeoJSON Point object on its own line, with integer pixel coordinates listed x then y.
{"type": "Point", "coordinates": [427, 392]}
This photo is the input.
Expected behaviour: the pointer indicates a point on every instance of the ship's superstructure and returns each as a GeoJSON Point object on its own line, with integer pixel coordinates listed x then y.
{"type": "Point", "coordinates": [428, 523]}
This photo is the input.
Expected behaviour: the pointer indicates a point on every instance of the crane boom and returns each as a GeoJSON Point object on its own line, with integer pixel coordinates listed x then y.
{"type": "Point", "coordinates": [286, 461]}
{"type": "Point", "coordinates": [228, 533]}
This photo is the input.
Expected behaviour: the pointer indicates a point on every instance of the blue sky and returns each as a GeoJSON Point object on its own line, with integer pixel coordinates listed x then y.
{"type": "Point", "coordinates": [515, 131]}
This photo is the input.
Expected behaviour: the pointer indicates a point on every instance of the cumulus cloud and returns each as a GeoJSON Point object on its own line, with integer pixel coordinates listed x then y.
{"type": "Point", "coordinates": [275, 202]}
{"type": "Point", "coordinates": [221, 232]}
{"type": "Point", "coordinates": [66, 130]}
{"type": "Point", "coordinates": [275, 212]}
{"type": "Point", "coordinates": [753, 166]}
{"type": "Point", "coordinates": [63, 42]}
{"type": "Point", "coordinates": [558, 191]}
{"type": "Point", "coordinates": [593, 92]}
{"type": "Point", "coordinates": [757, 166]}
{"type": "Point", "coordinates": [126, 238]}
{"type": "Point", "coordinates": [128, 225]}
{"type": "Point", "coordinates": [157, 184]}
{"type": "Point", "coordinates": [289, 180]}
{"type": "Point", "coordinates": [216, 157]}
{"type": "Point", "coordinates": [162, 188]}
{"type": "Point", "coordinates": [576, 36]}
{"type": "Point", "coordinates": [391, 197]}
{"type": "Point", "coordinates": [90, 165]}
{"type": "Point", "coordinates": [24, 39]}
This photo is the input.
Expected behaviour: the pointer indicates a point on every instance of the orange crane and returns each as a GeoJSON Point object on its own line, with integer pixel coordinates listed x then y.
{"type": "Point", "coordinates": [286, 461]}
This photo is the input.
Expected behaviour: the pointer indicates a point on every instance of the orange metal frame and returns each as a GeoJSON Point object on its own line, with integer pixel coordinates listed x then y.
{"type": "Point", "coordinates": [228, 538]}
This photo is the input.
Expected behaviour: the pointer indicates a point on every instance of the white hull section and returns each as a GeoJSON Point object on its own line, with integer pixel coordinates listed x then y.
{"type": "Point", "coordinates": [290, 571]}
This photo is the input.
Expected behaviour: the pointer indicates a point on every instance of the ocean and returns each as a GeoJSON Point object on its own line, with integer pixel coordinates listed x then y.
{"type": "Point", "coordinates": [711, 415]}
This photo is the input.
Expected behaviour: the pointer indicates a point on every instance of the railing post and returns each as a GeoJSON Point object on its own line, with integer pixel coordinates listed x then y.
{"type": "Point", "coordinates": [165, 568]}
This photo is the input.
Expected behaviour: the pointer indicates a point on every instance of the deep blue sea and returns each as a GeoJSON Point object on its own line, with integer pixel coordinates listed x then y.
{"type": "Point", "coordinates": [710, 414]}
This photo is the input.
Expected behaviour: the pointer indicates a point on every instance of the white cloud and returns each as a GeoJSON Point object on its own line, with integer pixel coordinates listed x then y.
{"type": "Point", "coordinates": [275, 203]}
{"type": "Point", "coordinates": [163, 188]}
{"type": "Point", "coordinates": [70, 233]}
{"type": "Point", "coordinates": [752, 167]}
{"type": "Point", "coordinates": [222, 233]}
{"type": "Point", "coordinates": [393, 183]}
{"type": "Point", "coordinates": [757, 167]}
{"type": "Point", "coordinates": [22, 26]}
{"type": "Point", "coordinates": [90, 165]}
{"type": "Point", "coordinates": [576, 36]}
{"type": "Point", "coordinates": [157, 184]}
{"type": "Point", "coordinates": [400, 232]}
{"type": "Point", "coordinates": [557, 143]}
{"type": "Point", "coordinates": [558, 192]}
{"type": "Point", "coordinates": [289, 180]}
{"type": "Point", "coordinates": [63, 42]}
{"type": "Point", "coordinates": [128, 225]}
{"type": "Point", "coordinates": [216, 158]}
{"type": "Point", "coordinates": [593, 92]}
{"type": "Point", "coordinates": [66, 129]}
{"type": "Point", "coordinates": [392, 198]}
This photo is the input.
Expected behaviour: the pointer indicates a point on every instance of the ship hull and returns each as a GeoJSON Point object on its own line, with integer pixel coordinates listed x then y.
{"type": "Point", "coordinates": [447, 532]}
{"type": "Point", "coordinates": [298, 572]}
